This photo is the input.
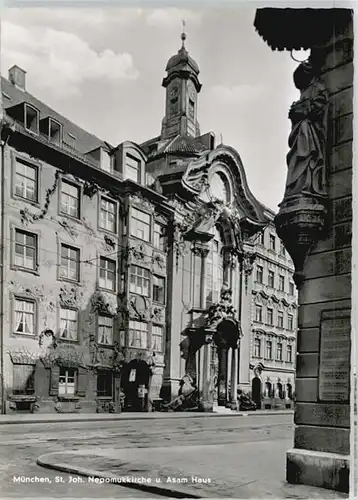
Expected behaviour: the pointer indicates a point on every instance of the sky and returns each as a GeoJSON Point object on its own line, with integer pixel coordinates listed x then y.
{"type": "Point", "coordinates": [102, 69]}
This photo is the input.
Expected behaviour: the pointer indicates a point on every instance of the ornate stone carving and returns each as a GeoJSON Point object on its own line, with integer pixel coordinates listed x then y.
{"type": "Point", "coordinates": [69, 228]}
{"type": "Point", "coordinates": [303, 211]}
{"type": "Point", "coordinates": [69, 296]}
{"type": "Point", "coordinates": [139, 201]}
{"type": "Point", "coordinates": [138, 252]}
{"type": "Point", "coordinates": [159, 260]}
{"type": "Point", "coordinates": [158, 314]}
{"type": "Point", "coordinates": [201, 251]}
{"type": "Point", "coordinates": [103, 303]}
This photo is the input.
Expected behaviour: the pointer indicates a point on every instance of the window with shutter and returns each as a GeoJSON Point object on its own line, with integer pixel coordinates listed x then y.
{"type": "Point", "coordinates": [82, 382]}
{"type": "Point", "coordinates": [55, 376]}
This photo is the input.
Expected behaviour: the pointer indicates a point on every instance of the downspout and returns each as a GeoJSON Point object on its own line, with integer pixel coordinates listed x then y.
{"type": "Point", "coordinates": [2, 215]}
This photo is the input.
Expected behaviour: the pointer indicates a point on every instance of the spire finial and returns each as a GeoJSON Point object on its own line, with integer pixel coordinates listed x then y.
{"type": "Point", "coordinates": [183, 34]}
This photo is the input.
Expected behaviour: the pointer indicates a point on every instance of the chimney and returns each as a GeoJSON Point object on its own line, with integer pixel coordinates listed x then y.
{"type": "Point", "coordinates": [17, 77]}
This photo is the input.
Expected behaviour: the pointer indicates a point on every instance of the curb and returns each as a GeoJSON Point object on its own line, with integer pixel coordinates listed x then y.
{"type": "Point", "coordinates": [114, 479]}
{"type": "Point", "coordinates": [116, 418]}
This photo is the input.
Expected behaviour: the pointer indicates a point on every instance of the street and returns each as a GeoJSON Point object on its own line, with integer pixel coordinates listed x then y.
{"type": "Point", "coordinates": [22, 444]}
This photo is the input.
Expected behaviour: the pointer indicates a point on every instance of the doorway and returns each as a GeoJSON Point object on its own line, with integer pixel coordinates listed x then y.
{"type": "Point", "coordinates": [256, 392]}
{"type": "Point", "coordinates": [135, 384]}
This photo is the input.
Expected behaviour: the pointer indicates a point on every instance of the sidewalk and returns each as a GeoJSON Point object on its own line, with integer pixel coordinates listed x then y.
{"type": "Point", "coordinates": [245, 470]}
{"type": "Point", "coordinates": [44, 418]}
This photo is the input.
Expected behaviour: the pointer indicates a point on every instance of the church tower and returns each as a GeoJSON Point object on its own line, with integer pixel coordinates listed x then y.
{"type": "Point", "coordinates": [182, 87]}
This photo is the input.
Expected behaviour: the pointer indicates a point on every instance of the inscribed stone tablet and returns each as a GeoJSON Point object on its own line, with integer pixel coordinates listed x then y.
{"type": "Point", "coordinates": [334, 370]}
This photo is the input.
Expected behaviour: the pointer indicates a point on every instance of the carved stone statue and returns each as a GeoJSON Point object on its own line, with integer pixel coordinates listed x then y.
{"type": "Point", "coordinates": [307, 141]}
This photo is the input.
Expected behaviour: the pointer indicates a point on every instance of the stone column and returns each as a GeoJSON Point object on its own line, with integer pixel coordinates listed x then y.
{"type": "Point", "coordinates": [228, 376]}
{"type": "Point", "coordinates": [222, 354]}
{"type": "Point", "coordinates": [206, 403]}
{"type": "Point", "coordinates": [234, 370]}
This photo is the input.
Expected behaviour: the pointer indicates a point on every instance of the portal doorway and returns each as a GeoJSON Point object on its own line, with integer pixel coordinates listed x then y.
{"type": "Point", "coordinates": [256, 392]}
{"type": "Point", "coordinates": [135, 385]}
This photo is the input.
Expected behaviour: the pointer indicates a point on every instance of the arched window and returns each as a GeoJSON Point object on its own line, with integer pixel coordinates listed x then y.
{"type": "Point", "coordinates": [220, 187]}
{"type": "Point", "coordinates": [214, 270]}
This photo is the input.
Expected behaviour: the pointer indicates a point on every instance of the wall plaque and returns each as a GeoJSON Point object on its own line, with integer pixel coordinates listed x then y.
{"type": "Point", "coordinates": [334, 367]}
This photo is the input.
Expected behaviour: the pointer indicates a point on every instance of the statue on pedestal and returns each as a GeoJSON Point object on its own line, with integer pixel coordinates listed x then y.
{"type": "Point", "coordinates": [307, 157]}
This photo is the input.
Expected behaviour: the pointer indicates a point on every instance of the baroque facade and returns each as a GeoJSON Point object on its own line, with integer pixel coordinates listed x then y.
{"type": "Point", "coordinates": [128, 266]}
{"type": "Point", "coordinates": [274, 323]}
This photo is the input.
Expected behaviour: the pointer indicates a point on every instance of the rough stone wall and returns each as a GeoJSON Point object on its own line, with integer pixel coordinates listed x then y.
{"type": "Point", "coordinates": [327, 270]}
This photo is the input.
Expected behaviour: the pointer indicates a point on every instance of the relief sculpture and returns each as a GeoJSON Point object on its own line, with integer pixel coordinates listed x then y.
{"type": "Point", "coordinates": [307, 141]}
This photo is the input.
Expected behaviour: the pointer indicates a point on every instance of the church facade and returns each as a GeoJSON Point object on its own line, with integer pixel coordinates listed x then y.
{"type": "Point", "coordinates": [128, 266]}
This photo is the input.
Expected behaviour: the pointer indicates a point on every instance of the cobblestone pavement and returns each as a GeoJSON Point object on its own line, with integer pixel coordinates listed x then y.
{"type": "Point", "coordinates": [21, 445]}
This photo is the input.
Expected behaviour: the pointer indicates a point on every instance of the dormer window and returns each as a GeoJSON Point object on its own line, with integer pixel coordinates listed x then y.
{"type": "Point", "coordinates": [132, 168]}
{"type": "Point", "coordinates": [52, 130]}
{"type": "Point", "coordinates": [31, 119]}
{"type": "Point", "coordinates": [102, 157]}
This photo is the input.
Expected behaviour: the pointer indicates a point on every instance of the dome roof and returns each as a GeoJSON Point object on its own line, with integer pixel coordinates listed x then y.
{"type": "Point", "coordinates": [182, 60]}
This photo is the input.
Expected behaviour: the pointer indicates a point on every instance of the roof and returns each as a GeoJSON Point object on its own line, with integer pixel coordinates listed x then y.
{"type": "Point", "coordinates": [183, 144]}
{"type": "Point", "coordinates": [84, 141]}
{"type": "Point", "coordinates": [295, 29]}
{"type": "Point", "coordinates": [182, 60]}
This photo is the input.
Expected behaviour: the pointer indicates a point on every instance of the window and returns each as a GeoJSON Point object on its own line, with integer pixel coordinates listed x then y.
{"type": "Point", "coordinates": [272, 242]}
{"type": "Point", "coordinates": [67, 382]}
{"type": "Point", "coordinates": [104, 383]}
{"type": "Point", "coordinates": [23, 379]}
{"type": "Point", "coordinates": [139, 280]}
{"type": "Point", "coordinates": [158, 289]}
{"type": "Point", "coordinates": [31, 119]}
{"type": "Point", "coordinates": [280, 319]}
{"type": "Point", "coordinates": [271, 279]}
{"type": "Point", "coordinates": [292, 288]}
{"type": "Point", "coordinates": [262, 238]}
{"type": "Point", "coordinates": [259, 314]}
{"type": "Point", "coordinates": [107, 274]}
{"type": "Point", "coordinates": [24, 316]}
{"type": "Point", "coordinates": [138, 334]}
{"type": "Point", "coordinates": [105, 330]}
{"type": "Point", "coordinates": [269, 316]}
{"type": "Point", "coordinates": [69, 324]}
{"type": "Point", "coordinates": [26, 180]}
{"type": "Point", "coordinates": [259, 274]}
{"type": "Point", "coordinates": [132, 168]}
{"type": "Point", "coordinates": [174, 105]}
{"type": "Point", "coordinates": [159, 239]}
{"type": "Point", "coordinates": [70, 263]}
{"type": "Point", "coordinates": [140, 225]}
{"type": "Point", "coordinates": [282, 249]}
{"type": "Point", "coordinates": [157, 338]}
{"type": "Point", "coordinates": [191, 109]}
{"type": "Point", "coordinates": [290, 322]}
{"type": "Point", "coordinates": [257, 348]}
{"type": "Point", "coordinates": [70, 199]}
{"type": "Point", "coordinates": [289, 353]}
{"type": "Point", "coordinates": [107, 215]}
{"type": "Point", "coordinates": [269, 349]}
{"type": "Point", "coordinates": [25, 250]}
{"type": "Point", "coordinates": [281, 283]}
{"type": "Point", "coordinates": [279, 351]}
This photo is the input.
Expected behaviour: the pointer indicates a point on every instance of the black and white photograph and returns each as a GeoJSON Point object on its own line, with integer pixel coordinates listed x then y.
{"type": "Point", "coordinates": [178, 290]}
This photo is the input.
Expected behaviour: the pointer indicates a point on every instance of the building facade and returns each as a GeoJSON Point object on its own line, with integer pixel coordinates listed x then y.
{"type": "Point", "coordinates": [126, 267]}
{"type": "Point", "coordinates": [274, 323]}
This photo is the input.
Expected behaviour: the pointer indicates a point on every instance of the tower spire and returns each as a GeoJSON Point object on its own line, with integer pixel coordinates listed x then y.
{"type": "Point", "coordinates": [183, 34]}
